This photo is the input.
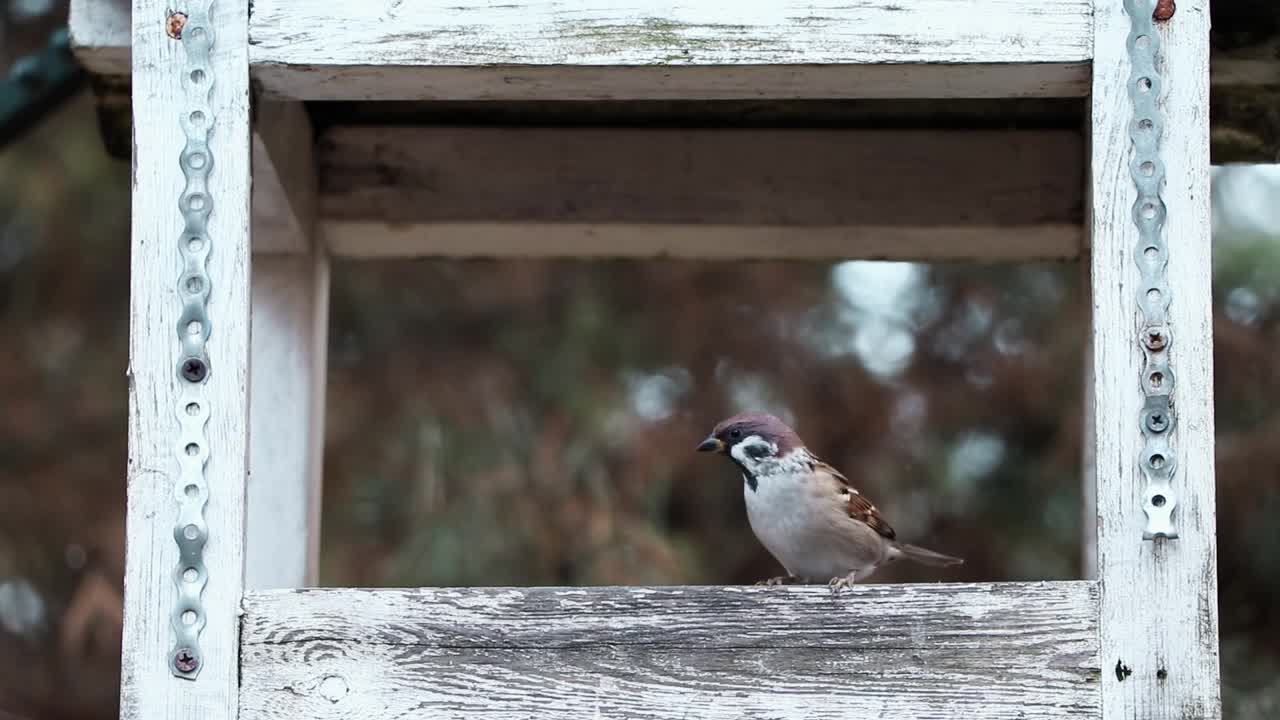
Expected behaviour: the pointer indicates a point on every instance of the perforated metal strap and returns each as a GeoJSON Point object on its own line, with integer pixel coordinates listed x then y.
{"type": "Point", "coordinates": [1157, 419]}
{"type": "Point", "coordinates": [195, 204]}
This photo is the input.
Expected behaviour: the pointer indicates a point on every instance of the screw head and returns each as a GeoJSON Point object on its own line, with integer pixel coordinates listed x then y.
{"type": "Point", "coordinates": [194, 370]}
{"type": "Point", "coordinates": [185, 660]}
{"type": "Point", "coordinates": [1157, 422]}
{"type": "Point", "coordinates": [1155, 339]}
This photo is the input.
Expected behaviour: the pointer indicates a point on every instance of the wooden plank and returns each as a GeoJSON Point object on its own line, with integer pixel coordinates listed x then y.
{"type": "Point", "coordinates": [283, 163]}
{"type": "Point", "coordinates": [289, 354]}
{"type": "Point", "coordinates": [380, 240]}
{"type": "Point", "coordinates": [474, 49]}
{"type": "Point", "coordinates": [99, 31]}
{"type": "Point", "coordinates": [148, 689]}
{"type": "Point", "coordinates": [284, 178]}
{"type": "Point", "coordinates": [392, 191]}
{"type": "Point", "coordinates": [1159, 617]}
{"type": "Point", "coordinates": [1009, 650]}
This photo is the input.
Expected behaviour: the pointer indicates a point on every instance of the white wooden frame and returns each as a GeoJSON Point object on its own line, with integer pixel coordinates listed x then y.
{"type": "Point", "coordinates": [1139, 640]}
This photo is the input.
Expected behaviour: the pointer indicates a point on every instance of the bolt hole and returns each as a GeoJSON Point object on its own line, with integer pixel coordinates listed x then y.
{"type": "Point", "coordinates": [195, 202]}
{"type": "Point", "coordinates": [195, 244]}
{"type": "Point", "coordinates": [1151, 252]}
{"type": "Point", "coordinates": [194, 327]}
{"type": "Point", "coordinates": [1153, 296]}
{"type": "Point", "coordinates": [197, 161]}
{"type": "Point", "coordinates": [1148, 211]}
{"type": "Point", "coordinates": [190, 532]}
{"type": "Point", "coordinates": [195, 285]}
{"type": "Point", "coordinates": [197, 33]}
{"type": "Point", "coordinates": [192, 491]}
{"type": "Point", "coordinates": [197, 118]}
{"type": "Point", "coordinates": [1157, 500]}
{"type": "Point", "coordinates": [197, 76]}
{"type": "Point", "coordinates": [192, 450]}
{"type": "Point", "coordinates": [1157, 380]}
{"type": "Point", "coordinates": [1157, 461]}
{"type": "Point", "coordinates": [1142, 42]}
{"type": "Point", "coordinates": [1144, 84]}
{"type": "Point", "coordinates": [190, 575]}
{"type": "Point", "coordinates": [189, 618]}
{"type": "Point", "coordinates": [1147, 168]}
{"type": "Point", "coordinates": [193, 408]}
{"type": "Point", "coordinates": [1145, 124]}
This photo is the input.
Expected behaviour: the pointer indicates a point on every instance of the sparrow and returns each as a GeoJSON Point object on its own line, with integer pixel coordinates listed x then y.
{"type": "Point", "coordinates": [806, 513]}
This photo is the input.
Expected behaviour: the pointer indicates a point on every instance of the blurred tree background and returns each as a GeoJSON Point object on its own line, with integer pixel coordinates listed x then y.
{"type": "Point", "coordinates": [533, 422]}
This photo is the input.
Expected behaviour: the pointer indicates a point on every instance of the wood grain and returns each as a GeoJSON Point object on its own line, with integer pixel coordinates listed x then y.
{"type": "Point", "coordinates": [913, 651]}
{"type": "Point", "coordinates": [1159, 615]}
{"type": "Point", "coordinates": [548, 49]}
{"type": "Point", "coordinates": [148, 690]}
{"type": "Point", "coordinates": [701, 192]}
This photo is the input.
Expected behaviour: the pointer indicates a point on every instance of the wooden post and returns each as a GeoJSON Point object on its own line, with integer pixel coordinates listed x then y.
{"type": "Point", "coordinates": [148, 688]}
{"type": "Point", "coordinates": [290, 331]}
{"type": "Point", "coordinates": [1159, 616]}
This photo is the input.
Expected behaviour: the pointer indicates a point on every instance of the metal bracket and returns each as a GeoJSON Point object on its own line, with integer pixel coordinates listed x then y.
{"type": "Point", "coordinates": [1158, 418]}
{"type": "Point", "coordinates": [192, 491]}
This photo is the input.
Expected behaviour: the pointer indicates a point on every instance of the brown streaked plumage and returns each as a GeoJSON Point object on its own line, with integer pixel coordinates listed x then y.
{"type": "Point", "coordinates": [805, 512]}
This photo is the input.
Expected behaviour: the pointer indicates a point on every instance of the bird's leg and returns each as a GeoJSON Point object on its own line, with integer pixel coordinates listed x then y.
{"type": "Point", "coordinates": [842, 582]}
{"type": "Point", "coordinates": [783, 580]}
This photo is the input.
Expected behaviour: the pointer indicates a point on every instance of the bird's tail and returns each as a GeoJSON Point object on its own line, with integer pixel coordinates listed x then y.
{"type": "Point", "coordinates": [924, 556]}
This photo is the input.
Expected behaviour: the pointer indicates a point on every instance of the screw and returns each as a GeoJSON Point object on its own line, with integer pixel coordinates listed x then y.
{"type": "Point", "coordinates": [194, 370]}
{"type": "Point", "coordinates": [185, 660]}
{"type": "Point", "coordinates": [1155, 340]}
{"type": "Point", "coordinates": [1157, 422]}
{"type": "Point", "coordinates": [174, 24]}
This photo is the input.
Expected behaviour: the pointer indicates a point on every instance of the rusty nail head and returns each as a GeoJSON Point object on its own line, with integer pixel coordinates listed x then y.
{"type": "Point", "coordinates": [185, 660]}
{"type": "Point", "coordinates": [1164, 10]}
{"type": "Point", "coordinates": [173, 26]}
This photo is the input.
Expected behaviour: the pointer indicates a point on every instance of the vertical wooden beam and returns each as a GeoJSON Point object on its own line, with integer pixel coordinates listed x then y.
{"type": "Point", "coordinates": [148, 688]}
{"type": "Point", "coordinates": [290, 332]}
{"type": "Point", "coordinates": [1088, 443]}
{"type": "Point", "coordinates": [1159, 616]}
{"type": "Point", "coordinates": [284, 178]}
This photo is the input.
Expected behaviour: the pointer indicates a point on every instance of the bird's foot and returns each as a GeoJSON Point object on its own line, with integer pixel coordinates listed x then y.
{"type": "Point", "coordinates": [842, 582]}
{"type": "Point", "coordinates": [782, 580]}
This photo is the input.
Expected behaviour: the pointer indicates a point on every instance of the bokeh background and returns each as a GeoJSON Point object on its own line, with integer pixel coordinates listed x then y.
{"type": "Point", "coordinates": [532, 423]}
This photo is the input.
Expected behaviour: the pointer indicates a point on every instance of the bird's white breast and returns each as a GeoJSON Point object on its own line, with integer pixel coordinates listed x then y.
{"type": "Point", "coordinates": [802, 524]}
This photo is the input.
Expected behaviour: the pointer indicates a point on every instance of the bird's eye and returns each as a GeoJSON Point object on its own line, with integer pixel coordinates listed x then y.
{"type": "Point", "coordinates": [735, 433]}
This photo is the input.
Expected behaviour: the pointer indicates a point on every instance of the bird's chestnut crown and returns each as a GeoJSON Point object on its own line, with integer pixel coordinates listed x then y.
{"type": "Point", "coordinates": [762, 433]}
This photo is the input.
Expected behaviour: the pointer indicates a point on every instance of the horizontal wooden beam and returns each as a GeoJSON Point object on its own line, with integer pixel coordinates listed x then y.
{"type": "Point", "coordinates": [976, 651]}
{"type": "Point", "coordinates": [406, 191]}
{"type": "Point", "coordinates": [469, 49]}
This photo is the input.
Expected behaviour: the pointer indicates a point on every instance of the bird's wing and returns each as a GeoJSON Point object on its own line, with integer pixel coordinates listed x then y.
{"type": "Point", "coordinates": [856, 504]}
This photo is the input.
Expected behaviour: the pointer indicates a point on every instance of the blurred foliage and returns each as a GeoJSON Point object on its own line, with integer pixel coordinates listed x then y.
{"type": "Point", "coordinates": [533, 422]}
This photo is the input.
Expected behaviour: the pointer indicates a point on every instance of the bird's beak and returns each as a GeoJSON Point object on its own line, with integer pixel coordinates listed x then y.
{"type": "Point", "coordinates": [711, 444]}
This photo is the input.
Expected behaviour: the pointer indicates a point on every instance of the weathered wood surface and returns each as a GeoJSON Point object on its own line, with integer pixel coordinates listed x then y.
{"type": "Point", "coordinates": [287, 401]}
{"type": "Point", "coordinates": [460, 49]}
{"type": "Point", "coordinates": [148, 690]}
{"type": "Point", "coordinates": [701, 192]}
{"type": "Point", "coordinates": [1159, 615]}
{"type": "Point", "coordinates": [1011, 650]}
{"type": "Point", "coordinates": [284, 170]}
